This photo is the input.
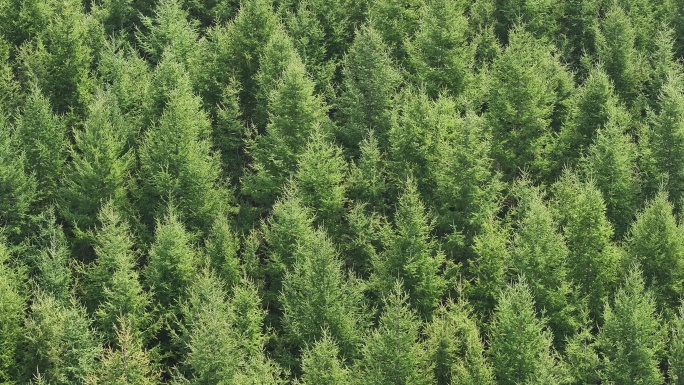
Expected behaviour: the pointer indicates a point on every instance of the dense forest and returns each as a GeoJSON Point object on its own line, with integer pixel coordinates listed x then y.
{"type": "Point", "coordinates": [342, 192]}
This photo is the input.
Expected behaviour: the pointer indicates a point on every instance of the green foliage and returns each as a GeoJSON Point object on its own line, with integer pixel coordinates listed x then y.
{"type": "Point", "coordinates": [168, 30]}
{"type": "Point", "coordinates": [321, 365]}
{"type": "Point", "coordinates": [655, 243]}
{"type": "Point", "coordinates": [12, 307]}
{"type": "Point", "coordinates": [52, 259]}
{"type": "Point", "coordinates": [411, 255]}
{"type": "Point", "coordinates": [631, 339]}
{"type": "Point", "coordinates": [396, 21]}
{"type": "Point", "coordinates": [392, 353]}
{"type": "Point", "coordinates": [520, 347]}
{"type": "Point", "coordinates": [318, 296]}
{"type": "Point", "coordinates": [582, 359]}
{"type": "Point", "coordinates": [222, 246]}
{"type": "Point", "coordinates": [368, 176]}
{"type": "Point", "coordinates": [456, 348]}
{"type": "Point", "coordinates": [676, 348]}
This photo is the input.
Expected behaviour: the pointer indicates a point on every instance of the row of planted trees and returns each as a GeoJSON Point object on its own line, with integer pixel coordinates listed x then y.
{"type": "Point", "coordinates": [316, 192]}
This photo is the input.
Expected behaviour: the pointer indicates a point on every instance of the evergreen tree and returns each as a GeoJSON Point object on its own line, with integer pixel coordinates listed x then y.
{"type": "Point", "coordinates": [540, 254]}
{"type": "Point", "coordinates": [655, 243]}
{"type": "Point", "coordinates": [593, 261]}
{"type": "Point", "coordinates": [368, 87]}
{"type": "Point", "coordinates": [168, 30]}
{"type": "Point", "coordinates": [320, 180]}
{"type": "Point", "coordinates": [631, 339]}
{"type": "Point", "coordinates": [611, 163]}
{"type": "Point", "coordinates": [392, 353]}
{"type": "Point", "coordinates": [177, 165]}
{"type": "Point", "coordinates": [12, 306]}
{"type": "Point", "coordinates": [615, 47]}
{"type": "Point", "coordinates": [676, 349]}
{"type": "Point", "coordinates": [396, 21]}
{"type": "Point", "coordinates": [317, 296]}
{"type": "Point", "coordinates": [17, 186]}
{"type": "Point", "coordinates": [368, 177]}
{"type": "Point", "coordinates": [171, 263]}
{"type": "Point", "coordinates": [411, 255]}
{"type": "Point", "coordinates": [99, 165]}
{"type": "Point", "coordinates": [520, 347]}
{"type": "Point", "coordinates": [577, 32]}
{"type": "Point", "coordinates": [540, 17]}
{"type": "Point", "coordinates": [222, 246]}
{"type": "Point", "coordinates": [439, 55]}
{"type": "Point", "coordinates": [456, 349]}
{"type": "Point", "coordinates": [59, 345]}
{"type": "Point", "coordinates": [43, 137]}
{"type": "Point", "coordinates": [321, 365]}
{"type": "Point", "coordinates": [113, 288]}
{"type": "Point", "coordinates": [582, 359]}
{"type": "Point", "coordinates": [128, 363]}
{"type": "Point", "coordinates": [295, 113]}
{"type": "Point", "coordinates": [51, 260]}
{"type": "Point", "coordinates": [663, 144]}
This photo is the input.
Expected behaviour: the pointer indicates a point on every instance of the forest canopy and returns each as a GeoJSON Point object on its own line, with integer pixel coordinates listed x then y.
{"type": "Point", "coordinates": [342, 192]}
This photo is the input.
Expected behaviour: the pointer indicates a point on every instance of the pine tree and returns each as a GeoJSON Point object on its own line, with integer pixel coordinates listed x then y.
{"type": "Point", "coordinates": [593, 260]}
{"type": "Point", "coordinates": [171, 263]}
{"type": "Point", "coordinates": [59, 345]}
{"type": "Point", "coordinates": [540, 254]}
{"type": "Point", "coordinates": [663, 143]}
{"type": "Point", "coordinates": [611, 163]}
{"type": "Point", "coordinates": [295, 113]}
{"type": "Point", "coordinates": [368, 177]}
{"type": "Point", "coordinates": [582, 359]}
{"type": "Point", "coordinates": [577, 32]}
{"type": "Point", "coordinates": [676, 348]}
{"type": "Point", "coordinates": [439, 55]}
{"type": "Point", "coordinates": [321, 365]}
{"type": "Point", "coordinates": [178, 167]}
{"type": "Point", "coordinates": [99, 167]}
{"type": "Point", "coordinates": [631, 339]}
{"type": "Point", "coordinates": [392, 353]}
{"type": "Point", "coordinates": [523, 98]}
{"type": "Point", "coordinates": [168, 30]}
{"type": "Point", "coordinates": [17, 186]}
{"type": "Point", "coordinates": [396, 21]}
{"type": "Point", "coordinates": [540, 17]}
{"type": "Point", "coordinates": [318, 296]}
{"type": "Point", "coordinates": [222, 245]}
{"type": "Point", "coordinates": [411, 255]}
{"type": "Point", "coordinates": [113, 289]}
{"type": "Point", "coordinates": [12, 307]}
{"type": "Point", "coordinates": [368, 87]}
{"type": "Point", "coordinates": [655, 243]}
{"type": "Point", "coordinates": [520, 347]}
{"type": "Point", "coordinates": [615, 47]}
{"type": "Point", "coordinates": [51, 260]}
{"type": "Point", "coordinates": [320, 180]}
{"type": "Point", "coordinates": [127, 363]}
{"type": "Point", "coordinates": [455, 347]}
{"type": "Point", "coordinates": [43, 137]}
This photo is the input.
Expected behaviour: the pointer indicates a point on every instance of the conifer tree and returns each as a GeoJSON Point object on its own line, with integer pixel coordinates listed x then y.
{"type": "Point", "coordinates": [593, 260]}
{"type": "Point", "coordinates": [59, 345]}
{"type": "Point", "coordinates": [320, 180]}
{"type": "Point", "coordinates": [615, 47]}
{"type": "Point", "coordinates": [392, 353]}
{"type": "Point", "coordinates": [321, 365]}
{"type": "Point", "coordinates": [113, 289]}
{"type": "Point", "coordinates": [490, 266]}
{"type": "Point", "coordinates": [524, 96]}
{"type": "Point", "coordinates": [9, 87]}
{"type": "Point", "coordinates": [52, 258]}
{"type": "Point", "coordinates": [611, 163]}
{"type": "Point", "coordinates": [411, 255]}
{"type": "Point", "coordinates": [541, 17]}
{"type": "Point", "coordinates": [178, 167]}
{"type": "Point", "coordinates": [12, 306]}
{"type": "Point", "coordinates": [171, 263]}
{"type": "Point", "coordinates": [17, 186]}
{"type": "Point", "coordinates": [540, 254]}
{"type": "Point", "coordinates": [368, 87]}
{"type": "Point", "coordinates": [396, 21]}
{"type": "Point", "coordinates": [295, 113]}
{"type": "Point", "coordinates": [663, 143]}
{"type": "Point", "coordinates": [655, 243]}
{"type": "Point", "coordinates": [368, 177]}
{"type": "Point", "coordinates": [43, 137]}
{"type": "Point", "coordinates": [318, 296]}
{"type": "Point", "coordinates": [168, 30]}
{"type": "Point", "coordinates": [222, 246]}
{"type": "Point", "coordinates": [581, 356]}
{"type": "Point", "coordinates": [577, 30]}
{"type": "Point", "coordinates": [520, 347]}
{"type": "Point", "coordinates": [99, 165]}
{"type": "Point", "coordinates": [675, 352]}
{"type": "Point", "coordinates": [631, 339]}
{"type": "Point", "coordinates": [439, 54]}
{"type": "Point", "coordinates": [127, 363]}
{"type": "Point", "coordinates": [455, 347]}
